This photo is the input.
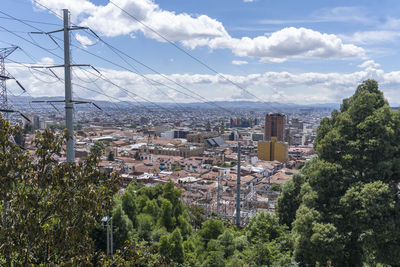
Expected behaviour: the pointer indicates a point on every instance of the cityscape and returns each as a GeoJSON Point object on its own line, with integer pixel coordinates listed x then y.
{"type": "Point", "coordinates": [197, 151]}
{"type": "Point", "coordinates": [145, 133]}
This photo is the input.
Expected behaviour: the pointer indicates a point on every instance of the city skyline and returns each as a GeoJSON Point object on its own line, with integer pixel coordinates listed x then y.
{"type": "Point", "coordinates": [302, 53]}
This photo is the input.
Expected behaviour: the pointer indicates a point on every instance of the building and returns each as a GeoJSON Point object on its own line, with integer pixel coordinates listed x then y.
{"type": "Point", "coordinates": [241, 123]}
{"type": "Point", "coordinates": [274, 147]}
{"type": "Point", "coordinates": [274, 126]}
{"type": "Point", "coordinates": [273, 150]}
{"type": "Point", "coordinates": [257, 136]}
{"type": "Point", "coordinates": [175, 134]}
{"type": "Point", "coordinates": [36, 122]}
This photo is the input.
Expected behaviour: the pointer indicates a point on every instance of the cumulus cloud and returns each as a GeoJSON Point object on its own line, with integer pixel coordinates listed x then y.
{"type": "Point", "coordinates": [371, 37]}
{"type": "Point", "coordinates": [289, 42]}
{"type": "Point", "coordinates": [285, 87]}
{"type": "Point", "coordinates": [84, 40]}
{"type": "Point", "coordinates": [369, 64]}
{"type": "Point", "coordinates": [201, 30]}
{"type": "Point", "coordinates": [239, 62]}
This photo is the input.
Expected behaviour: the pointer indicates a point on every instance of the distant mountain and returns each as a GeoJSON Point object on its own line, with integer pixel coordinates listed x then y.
{"type": "Point", "coordinates": [25, 102]}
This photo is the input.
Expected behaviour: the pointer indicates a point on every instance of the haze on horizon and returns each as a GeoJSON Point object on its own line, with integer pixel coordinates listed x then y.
{"type": "Point", "coordinates": [287, 52]}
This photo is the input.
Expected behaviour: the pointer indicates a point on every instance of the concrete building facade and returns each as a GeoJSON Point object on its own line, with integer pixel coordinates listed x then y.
{"type": "Point", "coordinates": [274, 126]}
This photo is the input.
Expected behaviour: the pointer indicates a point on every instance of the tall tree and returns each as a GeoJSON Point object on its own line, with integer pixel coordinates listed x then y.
{"type": "Point", "coordinates": [349, 206]}
{"type": "Point", "coordinates": [48, 208]}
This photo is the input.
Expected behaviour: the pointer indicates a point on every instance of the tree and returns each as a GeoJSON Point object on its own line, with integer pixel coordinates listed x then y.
{"type": "Point", "coordinates": [196, 216]}
{"type": "Point", "coordinates": [129, 205]}
{"type": "Point", "coordinates": [166, 218]}
{"type": "Point", "coordinates": [48, 208]}
{"type": "Point", "coordinates": [122, 226]}
{"type": "Point", "coordinates": [269, 241]}
{"type": "Point", "coordinates": [211, 229]}
{"type": "Point", "coordinates": [171, 246]}
{"type": "Point", "coordinates": [110, 156]}
{"type": "Point", "coordinates": [27, 128]}
{"type": "Point", "coordinates": [289, 199]}
{"type": "Point", "coordinates": [97, 148]}
{"type": "Point", "coordinates": [349, 205]}
{"type": "Point", "coordinates": [136, 156]}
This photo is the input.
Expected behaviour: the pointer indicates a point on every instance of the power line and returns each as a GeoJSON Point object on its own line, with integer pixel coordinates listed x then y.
{"type": "Point", "coordinates": [19, 36]}
{"type": "Point", "coordinates": [199, 97]}
{"type": "Point", "coordinates": [177, 47]}
{"type": "Point", "coordinates": [33, 43]}
{"type": "Point", "coordinates": [148, 82]}
{"type": "Point", "coordinates": [26, 91]}
{"type": "Point", "coordinates": [187, 53]}
{"type": "Point", "coordinates": [49, 9]}
{"type": "Point", "coordinates": [203, 99]}
{"type": "Point", "coordinates": [81, 86]}
{"type": "Point", "coordinates": [33, 21]}
{"type": "Point", "coordinates": [117, 51]}
{"type": "Point", "coordinates": [45, 49]}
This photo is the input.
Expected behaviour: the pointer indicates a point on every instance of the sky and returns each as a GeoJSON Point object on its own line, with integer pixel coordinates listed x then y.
{"type": "Point", "coordinates": [288, 51]}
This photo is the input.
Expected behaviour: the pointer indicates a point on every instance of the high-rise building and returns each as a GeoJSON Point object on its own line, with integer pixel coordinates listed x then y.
{"type": "Point", "coordinates": [274, 126]}
{"type": "Point", "coordinates": [274, 147]}
{"type": "Point", "coordinates": [272, 150]}
{"type": "Point", "coordinates": [36, 122]}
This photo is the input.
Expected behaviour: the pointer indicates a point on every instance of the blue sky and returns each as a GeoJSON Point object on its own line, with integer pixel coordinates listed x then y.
{"type": "Point", "coordinates": [286, 51]}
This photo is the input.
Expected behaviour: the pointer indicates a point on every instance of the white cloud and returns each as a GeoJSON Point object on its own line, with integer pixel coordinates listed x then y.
{"type": "Point", "coordinates": [287, 43]}
{"type": "Point", "coordinates": [371, 37]}
{"type": "Point", "coordinates": [46, 61]}
{"type": "Point", "coordinates": [391, 23]}
{"type": "Point", "coordinates": [201, 30]}
{"type": "Point", "coordinates": [302, 88]}
{"type": "Point", "coordinates": [248, 1]}
{"type": "Point", "coordinates": [84, 40]}
{"type": "Point", "coordinates": [239, 62]}
{"type": "Point", "coordinates": [369, 64]}
{"type": "Point", "coordinates": [345, 14]}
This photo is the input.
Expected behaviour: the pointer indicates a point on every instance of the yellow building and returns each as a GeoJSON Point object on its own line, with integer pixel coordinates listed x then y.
{"type": "Point", "coordinates": [272, 150]}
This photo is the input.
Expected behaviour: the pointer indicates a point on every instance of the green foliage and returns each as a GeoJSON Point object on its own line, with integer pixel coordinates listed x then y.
{"type": "Point", "coordinates": [122, 226]}
{"type": "Point", "coordinates": [110, 156]}
{"type": "Point", "coordinates": [166, 218]}
{"type": "Point", "coordinates": [196, 216]}
{"type": "Point", "coordinates": [136, 156]}
{"type": "Point", "coordinates": [211, 229]}
{"type": "Point", "coordinates": [275, 187]}
{"type": "Point", "coordinates": [270, 242]}
{"type": "Point", "coordinates": [56, 126]}
{"type": "Point", "coordinates": [347, 198]}
{"type": "Point", "coordinates": [51, 207]}
{"type": "Point", "coordinates": [129, 205]}
{"type": "Point", "coordinates": [48, 208]}
{"type": "Point", "coordinates": [97, 148]}
{"type": "Point", "coordinates": [160, 219]}
{"type": "Point", "coordinates": [171, 246]}
{"type": "Point", "coordinates": [290, 198]}
{"type": "Point", "coordinates": [28, 129]}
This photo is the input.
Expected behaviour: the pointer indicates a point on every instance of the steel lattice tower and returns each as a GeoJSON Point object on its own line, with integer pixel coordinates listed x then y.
{"type": "Point", "coordinates": [4, 52]}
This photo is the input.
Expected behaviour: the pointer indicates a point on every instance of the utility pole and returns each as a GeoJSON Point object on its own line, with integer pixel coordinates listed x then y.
{"type": "Point", "coordinates": [69, 105]}
{"type": "Point", "coordinates": [4, 76]}
{"type": "Point", "coordinates": [218, 194]}
{"type": "Point", "coordinates": [4, 52]}
{"type": "Point", "coordinates": [107, 221]}
{"type": "Point", "coordinates": [238, 187]}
